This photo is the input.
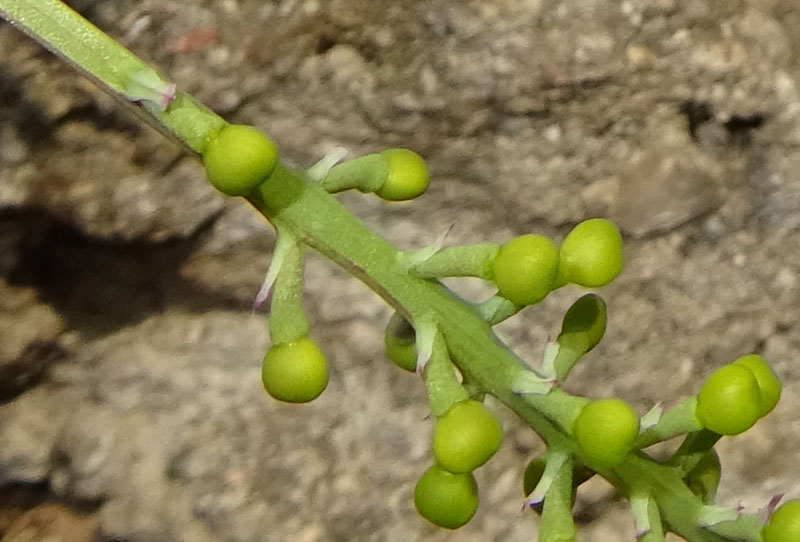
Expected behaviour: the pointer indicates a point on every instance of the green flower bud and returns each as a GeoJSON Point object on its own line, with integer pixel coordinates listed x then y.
{"type": "Point", "coordinates": [399, 343]}
{"type": "Point", "coordinates": [408, 175]}
{"type": "Point", "coordinates": [591, 254]}
{"type": "Point", "coordinates": [587, 316]}
{"type": "Point", "coordinates": [729, 402]}
{"type": "Point", "coordinates": [295, 372]}
{"type": "Point", "coordinates": [446, 499]}
{"type": "Point", "coordinates": [768, 382]}
{"type": "Point", "coordinates": [238, 159]}
{"type": "Point", "coordinates": [605, 431]}
{"type": "Point", "coordinates": [784, 525]}
{"type": "Point", "coordinates": [525, 269]}
{"type": "Point", "coordinates": [466, 437]}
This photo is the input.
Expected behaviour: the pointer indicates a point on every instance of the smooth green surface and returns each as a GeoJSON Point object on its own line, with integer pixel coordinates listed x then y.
{"type": "Point", "coordinates": [591, 254]}
{"type": "Point", "coordinates": [729, 401]}
{"type": "Point", "coordinates": [586, 315]}
{"type": "Point", "coordinates": [768, 383]}
{"type": "Point", "coordinates": [525, 269]}
{"type": "Point", "coordinates": [238, 158]}
{"type": "Point", "coordinates": [296, 372]}
{"type": "Point", "coordinates": [398, 343]}
{"type": "Point", "coordinates": [605, 431]}
{"type": "Point", "coordinates": [446, 499]}
{"type": "Point", "coordinates": [466, 436]}
{"type": "Point", "coordinates": [784, 525]}
{"type": "Point", "coordinates": [408, 175]}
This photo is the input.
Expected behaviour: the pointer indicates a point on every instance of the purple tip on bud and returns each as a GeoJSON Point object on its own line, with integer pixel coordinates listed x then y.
{"type": "Point", "coordinates": [533, 501]}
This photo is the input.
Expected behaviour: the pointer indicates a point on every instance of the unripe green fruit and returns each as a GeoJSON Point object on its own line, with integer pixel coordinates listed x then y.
{"type": "Point", "coordinates": [704, 478]}
{"type": "Point", "coordinates": [768, 383]}
{"type": "Point", "coordinates": [729, 402]}
{"type": "Point", "coordinates": [587, 316]}
{"type": "Point", "coordinates": [399, 343]}
{"type": "Point", "coordinates": [446, 499]}
{"type": "Point", "coordinates": [408, 175]}
{"type": "Point", "coordinates": [238, 159]}
{"type": "Point", "coordinates": [591, 254]}
{"type": "Point", "coordinates": [295, 372]}
{"type": "Point", "coordinates": [466, 437]}
{"type": "Point", "coordinates": [605, 431]}
{"type": "Point", "coordinates": [525, 269]}
{"type": "Point", "coordinates": [784, 525]}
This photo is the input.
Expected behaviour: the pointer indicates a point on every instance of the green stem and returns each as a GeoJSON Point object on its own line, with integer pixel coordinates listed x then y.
{"type": "Point", "coordinates": [365, 173]}
{"type": "Point", "coordinates": [287, 319]}
{"type": "Point", "coordinates": [557, 523]}
{"type": "Point", "coordinates": [122, 74]}
{"type": "Point", "coordinates": [443, 389]}
{"type": "Point", "coordinates": [460, 261]}
{"type": "Point", "coordinates": [676, 421]}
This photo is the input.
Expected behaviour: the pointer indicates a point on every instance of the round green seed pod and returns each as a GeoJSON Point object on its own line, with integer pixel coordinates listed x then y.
{"type": "Point", "coordinates": [408, 175]}
{"type": "Point", "coordinates": [446, 499]}
{"type": "Point", "coordinates": [729, 402]}
{"type": "Point", "coordinates": [466, 436]}
{"type": "Point", "coordinates": [239, 158]}
{"type": "Point", "coordinates": [605, 431]}
{"type": "Point", "coordinates": [295, 372]}
{"type": "Point", "coordinates": [399, 341]}
{"type": "Point", "coordinates": [784, 525]}
{"type": "Point", "coordinates": [591, 254]}
{"type": "Point", "coordinates": [525, 269]}
{"type": "Point", "coordinates": [768, 383]}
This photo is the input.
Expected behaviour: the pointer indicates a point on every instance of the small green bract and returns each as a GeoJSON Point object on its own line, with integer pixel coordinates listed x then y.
{"type": "Point", "coordinates": [729, 402]}
{"type": "Point", "coordinates": [466, 436]}
{"type": "Point", "coordinates": [768, 384]}
{"type": "Point", "coordinates": [296, 372]}
{"type": "Point", "coordinates": [591, 254]}
{"type": "Point", "coordinates": [446, 499]}
{"type": "Point", "coordinates": [408, 175]}
{"type": "Point", "coordinates": [238, 159]}
{"type": "Point", "coordinates": [784, 525]}
{"type": "Point", "coordinates": [605, 431]}
{"type": "Point", "coordinates": [525, 269]}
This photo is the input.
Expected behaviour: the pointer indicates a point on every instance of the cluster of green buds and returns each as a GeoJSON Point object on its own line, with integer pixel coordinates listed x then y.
{"type": "Point", "coordinates": [237, 160]}
{"type": "Point", "coordinates": [448, 341]}
{"type": "Point", "coordinates": [604, 436]}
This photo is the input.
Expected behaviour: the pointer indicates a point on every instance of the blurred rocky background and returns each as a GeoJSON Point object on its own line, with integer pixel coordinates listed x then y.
{"type": "Point", "coordinates": [130, 402]}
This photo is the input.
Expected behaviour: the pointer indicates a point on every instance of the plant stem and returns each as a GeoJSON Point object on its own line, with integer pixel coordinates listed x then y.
{"type": "Point", "coordinates": [119, 72]}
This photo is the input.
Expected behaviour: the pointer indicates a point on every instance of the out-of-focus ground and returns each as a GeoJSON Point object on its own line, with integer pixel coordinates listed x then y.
{"type": "Point", "coordinates": [129, 356]}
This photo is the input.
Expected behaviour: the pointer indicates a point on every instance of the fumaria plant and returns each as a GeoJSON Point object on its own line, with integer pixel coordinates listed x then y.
{"type": "Point", "coordinates": [447, 340]}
